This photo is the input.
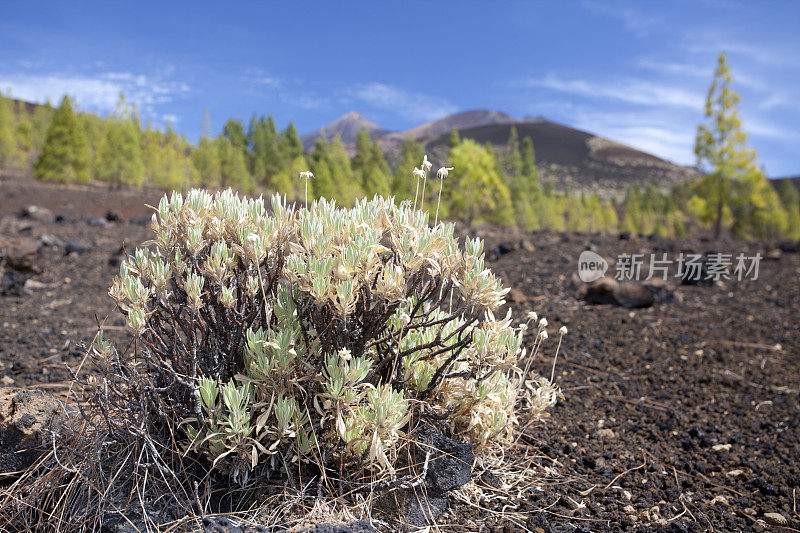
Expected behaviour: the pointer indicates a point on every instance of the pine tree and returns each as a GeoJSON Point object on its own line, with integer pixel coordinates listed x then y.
{"type": "Point", "coordinates": [476, 190]}
{"type": "Point", "coordinates": [24, 134]}
{"type": "Point", "coordinates": [455, 138]}
{"type": "Point", "coordinates": [65, 155]}
{"type": "Point", "coordinates": [233, 169]}
{"type": "Point", "coordinates": [152, 154]}
{"type": "Point", "coordinates": [291, 147]}
{"type": "Point", "coordinates": [234, 132]}
{"type": "Point", "coordinates": [362, 156]}
{"type": "Point", "coordinates": [733, 188]}
{"type": "Point", "coordinates": [40, 122]}
{"type": "Point", "coordinates": [207, 162]}
{"type": "Point", "coordinates": [120, 159]}
{"type": "Point", "coordinates": [529, 168]}
{"type": "Point", "coordinates": [347, 187]}
{"type": "Point", "coordinates": [320, 161]}
{"type": "Point", "coordinates": [790, 198]}
{"type": "Point", "coordinates": [513, 158]}
{"type": "Point", "coordinates": [9, 155]}
{"type": "Point", "coordinates": [264, 157]}
{"type": "Point", "coordinates": [370, 167]}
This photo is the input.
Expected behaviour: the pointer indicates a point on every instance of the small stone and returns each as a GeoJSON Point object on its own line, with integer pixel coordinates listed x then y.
{"type": "Point", "coordinates": [721, 447]}
{"type": "Point", "coordinates": [776, 519]}
{"type": "Point", "coordinates": [606, 433]}
{"type": "Point", "coordinates": [76, 247]}
{"type": "Point", "coordinates": [629, 510]}
{"type": "Point", "coordinates": [7, 381]}
{"type": "Point", "coordinates": [627, 495]}
{"type": "Point", "coordinates": [98, 222]}
{"type": "Point", "coordinates": [734, 473]}
{"type": "Point", "coordinates": [719, 499]}
{"type": "Point", "coordinates": [39, 214]}
{"type": "Point", "coordinates": [51, 240]}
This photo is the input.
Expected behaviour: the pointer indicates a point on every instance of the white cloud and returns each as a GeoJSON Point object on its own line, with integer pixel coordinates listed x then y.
{"type": "Point", "coordinates": [412, 106]}
{"type": "Point", "coordinates": [659, 132]}
{"type": "Point", "coordinates": [632, 91]}
{"type": "Point", "coordinates": [667, 68]}
{"type": "Point", "coordinates": [634, 21]}
{"type": "Point", "coordinates": [96, 92]}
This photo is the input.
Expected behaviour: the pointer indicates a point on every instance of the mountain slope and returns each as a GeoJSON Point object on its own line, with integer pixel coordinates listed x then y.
{"type": "Point", "coordinates": [347, 127]}
{"type": "Point", "coordinates": [465, 119]}
{"type": "Point", "coordinates": [575, 159]}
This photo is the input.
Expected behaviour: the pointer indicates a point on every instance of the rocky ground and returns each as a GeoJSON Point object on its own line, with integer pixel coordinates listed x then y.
{"type": "Point", "coordinates": [681, 415]}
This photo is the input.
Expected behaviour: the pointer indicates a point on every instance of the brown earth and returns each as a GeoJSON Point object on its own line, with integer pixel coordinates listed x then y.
{"type": "Point", "coordinates": [683, 416]}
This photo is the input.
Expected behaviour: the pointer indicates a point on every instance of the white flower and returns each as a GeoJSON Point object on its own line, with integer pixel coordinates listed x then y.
{"type": "Point", "coordinates": [543, 323]}
{"type": "Point", "coordinates": [532, 316]}
{"type": "Point", "coordinates": [426, 164]}
{"type": "Point", "coordinates": [442, 172]}
{"type": "Point", "coordinates": [543, 334]}
{"type": "Point", "coordinates": [563, 330]}
{"type": "Point", "coordinates": [418, 173]}
{"type": "Point", "coordinates": [307, 174]}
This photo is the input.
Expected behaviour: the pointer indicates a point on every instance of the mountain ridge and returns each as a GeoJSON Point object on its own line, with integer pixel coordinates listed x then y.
{"type": "Point", "coordinates": [571, 158]}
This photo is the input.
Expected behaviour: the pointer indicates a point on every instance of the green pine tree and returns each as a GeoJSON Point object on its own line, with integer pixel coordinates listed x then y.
{"type": "Point", "coordinates": [790, 199]}
{"type": "Point", "coordinates": [455, 138]}
{"type": "Point", "coordinates": [234, 132]}
{"type": "Point", "coordinates": [233, 169]}
{"type": "Point", "coordinates": [734, 191]}
{"type": "Point", "coordinates": [513, 157]}
{"type": "Point", "coordinates": [120, 158]}
{"type": "Point", "coordinates": [9, 151]}
{"type": "Point", "coordinates": [291, 147]}
{"type": "Point", "coordinates": [65, 155]}
{"type": "Point", "coordinates": [476, 191]}
{"type": "Point", "coordinates": [207, 162]}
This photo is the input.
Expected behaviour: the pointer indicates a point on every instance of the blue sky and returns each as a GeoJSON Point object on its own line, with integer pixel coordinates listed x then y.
{"type": "Point", "coordinates": [636, 72]}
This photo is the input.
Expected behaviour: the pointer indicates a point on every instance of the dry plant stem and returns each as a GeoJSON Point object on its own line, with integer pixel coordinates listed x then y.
{"type": "Point", "coordinates": [438, 201]}
{"type": "Point", "coordinates": [628, 471]}
{"type": "Point", "coordinates": [416, 194]}
{"type": "Point", "coordinates": [422, 199]}
{"type": "Point", "coordinates": [555, 358]}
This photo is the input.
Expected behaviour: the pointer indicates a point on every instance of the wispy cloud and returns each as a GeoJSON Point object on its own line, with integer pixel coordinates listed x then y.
{"type": "Point", "coordinates": [631, 91]}
{"type": "Point", "coordinates": [634, 21]}
{"type": "Point", "coordinates": [288, 91]}
{"type": "Point", "coordinates": [661, 132]}
{"type": "Point", "coordinates": [96, 92]}
{"type": "Point", "coordinates": [410, 105]}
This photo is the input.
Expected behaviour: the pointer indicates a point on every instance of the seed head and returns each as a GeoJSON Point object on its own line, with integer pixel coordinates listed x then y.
{"type": "Point", "coordinates": [543, 323]}
{"type": "Point", "coordinates": [442, 172]}
{"type": "Point", "coordinates": [426, 164]}
{"type": "Point", "coordinates": [418, 173]}
{"type": "Point", "coordinates": [307, 175]}
{"type": "Point", "coordinates": [563, 330]}
{"type": "Point", "coordinates": [532, 316]}
{"type": "Point", "coordinates": [543, 334]}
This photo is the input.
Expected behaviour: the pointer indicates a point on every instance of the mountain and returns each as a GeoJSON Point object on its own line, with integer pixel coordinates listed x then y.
{"type": "Point", "coordinates": [463, 120]}
{"type": "Point", "coordinates": [347, 127]}
{"type": "Point", "coordinates": [572, 159]}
